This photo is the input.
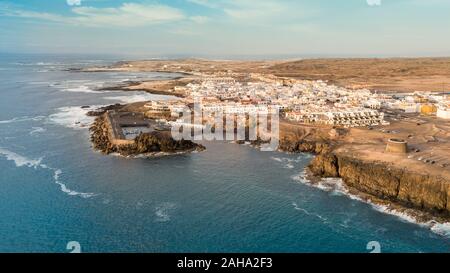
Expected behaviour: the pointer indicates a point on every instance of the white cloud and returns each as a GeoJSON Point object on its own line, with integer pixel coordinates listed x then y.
{"type": "Point", "coordinates": [73, 2]}
{"type": "Point", "coordinates": [126, 15]}
{"type": "Point", "coordinates": [374, 2]}
{"type": "Point", "coordinates": [205, 3]}
{"type": "Point", "coordinates": [199, 19]}
{"type": "Point", "coordinates": [32, 14]}
{"type": "Point", "coordinates": [244, 9]}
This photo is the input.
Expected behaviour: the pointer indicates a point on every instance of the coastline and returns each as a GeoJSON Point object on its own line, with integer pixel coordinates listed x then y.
{"type": "Point", "coordinates": [157, 87]}
{"type": "Point", "coordinates": [427, 195]}
{"type": "Point", "coordinates": [334, 184]}
{"type": "Point", "coordinates": [425, 191]}
{"type": "Point", "coordinates": [135, 87]}
{"type": "Point", "coordinates": [407, 188]}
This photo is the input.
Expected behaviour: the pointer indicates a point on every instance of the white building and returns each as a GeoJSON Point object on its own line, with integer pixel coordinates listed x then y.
{"type": "Point", "coordinates": [443, 112]}
{"type": "Point", "coordinates": [354, 118]}
{"type": "Point", "coordinates": [302, 117]}
{"type": "Point", "coordinates": [157, 106]}
{"type": "Point", "coordinates": [373, 104]}
{"type": "Point", "coordinates": [410, 107]}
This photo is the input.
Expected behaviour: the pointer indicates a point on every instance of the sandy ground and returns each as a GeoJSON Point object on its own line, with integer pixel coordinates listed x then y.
{"type": "Point", "coordinates": [429, 144]}
{"type": "Point", "coordinates": [389, 75]}
{"type": "Point", "coordinates": [399, 75]}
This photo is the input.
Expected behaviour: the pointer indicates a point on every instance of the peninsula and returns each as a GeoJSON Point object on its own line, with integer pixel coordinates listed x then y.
{"type": "Point", "coordinates": [132, 134]}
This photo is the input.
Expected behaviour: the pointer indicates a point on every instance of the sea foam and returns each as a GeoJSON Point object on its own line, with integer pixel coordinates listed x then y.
{"type": "Point", "coordinates": [19, 160]}
{"type": "Point", "coordinates": [136, 97]}
{"type": "Point", "coordinates": [73, 117]}
{"type": "Point", "coordinates": [336, 187]}
{"type": "Point", "coordinates": [22, 161]}
{"type": "Point", "coordinates": [57, 174]}
{"type": "Point", "coordinates": [297, 207]}
{"type": "Point", "coordinates": [22, 119]}
{"type": "Point", "coordinates": [37, 130]}
{"type": "Point", "coordinates": [162, 212]}
{"type": "Point", "coordinates": [83, 89]}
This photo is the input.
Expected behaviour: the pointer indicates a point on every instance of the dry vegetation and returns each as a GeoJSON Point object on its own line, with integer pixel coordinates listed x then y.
{"type": "Point", "coordinates": [396, 74]}
{"type": "Point", "coordinates": [424, 74]}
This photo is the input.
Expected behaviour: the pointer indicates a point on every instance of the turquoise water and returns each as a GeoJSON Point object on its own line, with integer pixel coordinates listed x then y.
{"type": "Point", "coordinates": [230, 198]}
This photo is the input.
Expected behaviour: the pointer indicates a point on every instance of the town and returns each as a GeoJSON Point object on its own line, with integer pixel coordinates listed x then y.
{"type": "Point", "coordinates": [381, 142]}
{"type": "Point", "coordinates": [300, 101]}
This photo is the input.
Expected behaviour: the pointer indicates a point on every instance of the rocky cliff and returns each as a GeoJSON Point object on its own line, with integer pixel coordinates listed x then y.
{"type": "Point", "coordinates": [405, 187]}
{"type": "Point", "coordinates": [304, 146]}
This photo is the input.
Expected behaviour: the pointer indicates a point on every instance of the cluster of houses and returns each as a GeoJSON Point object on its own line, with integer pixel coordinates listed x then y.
{"type": "Point", "coordinates": [350, 118]}
{"type": "Point", "coordinates": [314, 102]}
{"type": "Point", "coordinates": [425, 103]}
{"type": "Point", "coordinates": [300, 101]}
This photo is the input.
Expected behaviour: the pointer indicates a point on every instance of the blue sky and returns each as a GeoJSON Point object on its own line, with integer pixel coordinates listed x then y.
{"type": "Point", "coordinates": [227, 27]}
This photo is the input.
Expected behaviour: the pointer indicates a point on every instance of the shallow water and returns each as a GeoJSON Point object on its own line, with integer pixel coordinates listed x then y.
{"type": "Point", "coordinates": [232, 198]}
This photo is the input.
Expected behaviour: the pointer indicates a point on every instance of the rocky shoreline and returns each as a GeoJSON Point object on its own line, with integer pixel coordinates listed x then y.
{"type": "Point", "coordinates": [403, 186]}
{"type": "Point", "coordinates": [421, 196]}
{"type": "Point", "coordinates": [135, 87]}
{"type": "Point", "coordinates": [409, 189]}
{"type": "Point", "coordinates": [102, 110]}
{"type": "Point", "coordinates": [374, 178]}
{"type": "Point", "coordinates": [148, 144]}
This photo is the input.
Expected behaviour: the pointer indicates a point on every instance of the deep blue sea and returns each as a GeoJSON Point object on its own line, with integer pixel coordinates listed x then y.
{"type": "Point", "coordinates": [231, 198]}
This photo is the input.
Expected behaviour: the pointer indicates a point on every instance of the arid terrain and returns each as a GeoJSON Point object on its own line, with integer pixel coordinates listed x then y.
{"type": "Point", "coordinates": [421, 74]}
{"type": "Point", "coordinates": [428, 142]}
{"type": "Point", "coordinates": [389, 75]}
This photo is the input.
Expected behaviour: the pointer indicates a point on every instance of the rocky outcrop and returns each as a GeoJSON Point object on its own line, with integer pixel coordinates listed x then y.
{"type": "Point", "coordinates": [384, 181]}
{"type": "Point", "coordinates": [297, 138]}
{"type": "Point", "coordinates": [144, 144]}
{"type": "Point", "coordinates": [102, 110]}
{"type": "Point", "coordinates": [325, 165]}
{"type": "Point", "coordinates": [303, 146]}
{"type": "Point", "coordinates": [100, 135]}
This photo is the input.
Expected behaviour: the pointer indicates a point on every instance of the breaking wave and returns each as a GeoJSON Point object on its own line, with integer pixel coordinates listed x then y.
{"type": "Point", "coordinates": [288, 166]}
{"type": "Point", "coordinates": [297, 207]}
{"type": "Point", "coordinates": [136, 98]}
{"type": "Point", "coordinates": [73, 117]}
{"type": "Point", "coordinates": [22, 119]}
{"type": "Point", "coordinates": [57, 174]}
{"type": "Point", "coordinates": [162, 211]}
{"type": "Point", "coordinates": [288, 162]}
{"type": "Point", "coordinates": [37, 130]}
{"type": "Point", "coordinates": [83, 89]}
{"type": "Point", "coordinates": [19, 160]}
{"type": "Point", "coordinates": [277, 159]}
{"type": "Point", "coordinates": [22, 161]}
{"type": "Point", "coordinates": [336, 187]}
{"type": "Point", "coordinates": [37, 64]}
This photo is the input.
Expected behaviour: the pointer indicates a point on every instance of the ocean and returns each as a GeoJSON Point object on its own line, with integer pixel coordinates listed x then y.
{"type": "Point", "coordinates": [54, 189]}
